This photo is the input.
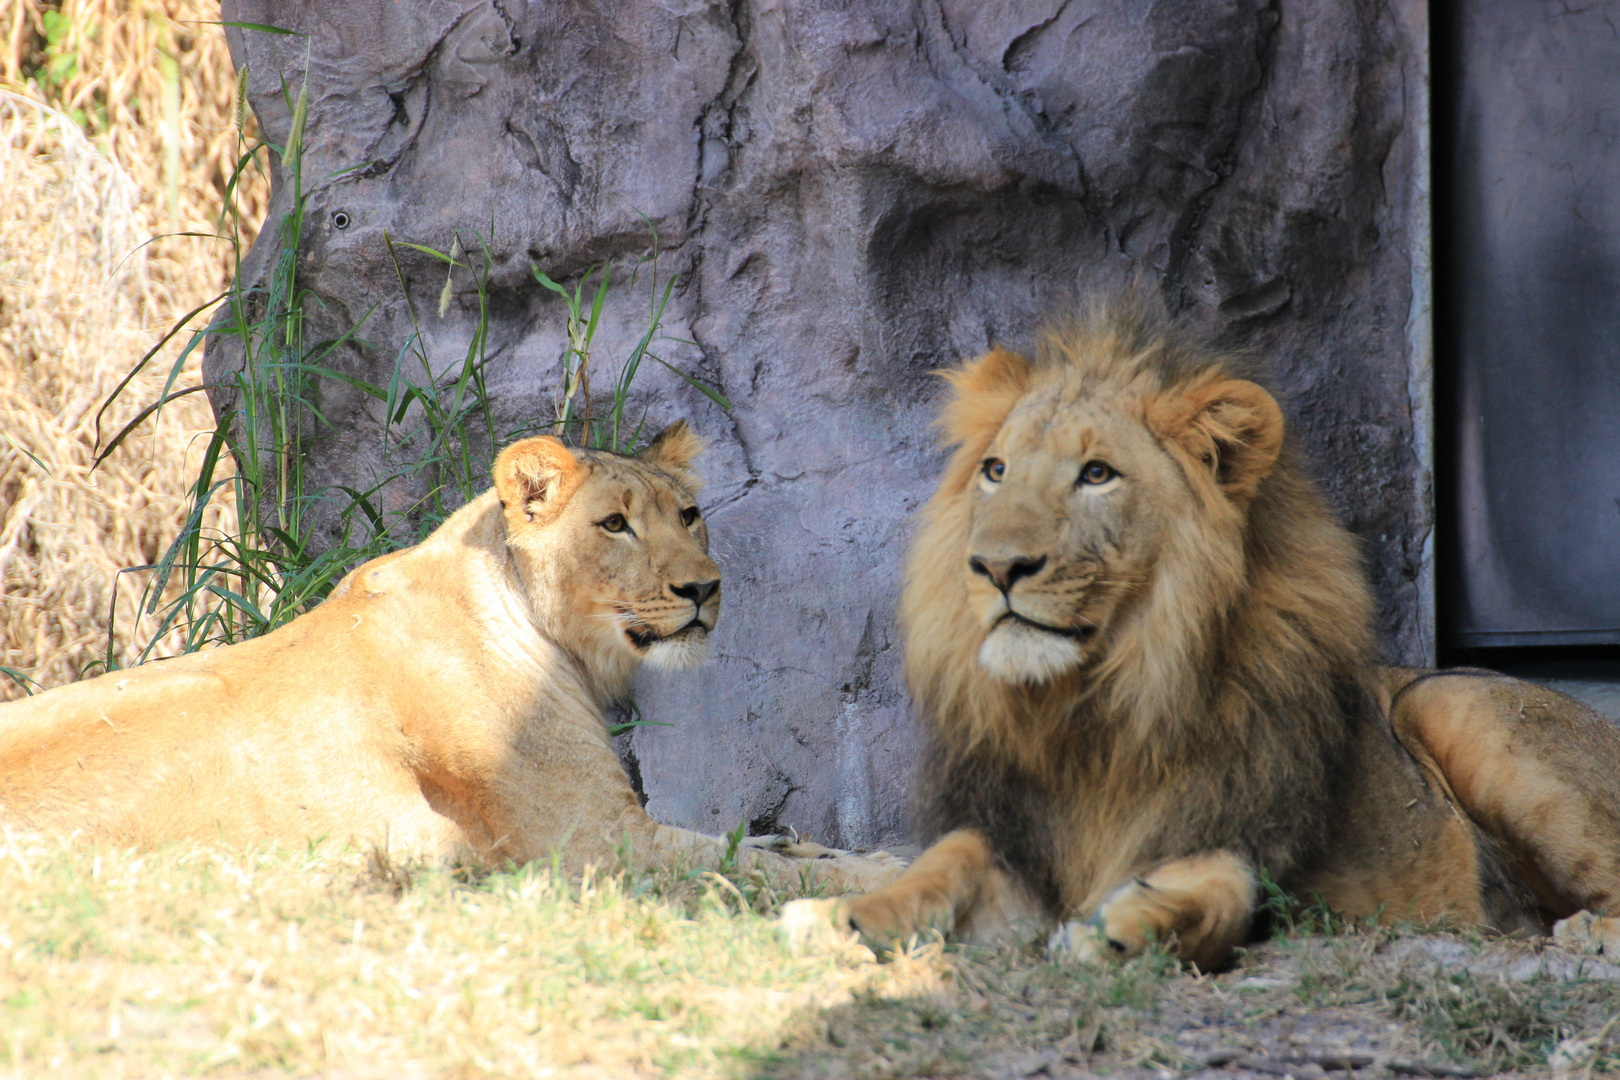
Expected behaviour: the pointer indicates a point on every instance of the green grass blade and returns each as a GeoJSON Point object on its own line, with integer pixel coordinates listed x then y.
{"type": "Point", "coordinates": [129, 376]}
{"type": "Point", "coordinates": [140, 418]}
{"type": "Point", "coordinates": [540, 276]}
{"type": "Point", "coordinates": [20, 679]}
{"type": "Point", "coordinates": [424, 249]}
{"type": "Point", "coordinates": [262, 27]}
{"type": "Point", "coordinates": [707, 391]}
{"type": "Point", "coordinates": [237, 600]}
{"type": "Point", "coordinates": [596, 304]}
{"type": "Point", "coordinates": [29, 454]}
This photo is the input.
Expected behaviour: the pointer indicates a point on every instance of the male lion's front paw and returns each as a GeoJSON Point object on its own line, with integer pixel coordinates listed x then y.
{"type": "Point", "coordinates": [1585, 932]}
{"type": "Point", "coordinates": [892, 917]}
{"type": "Point", "coordinates": [815, 926]}
{"type": "Point", "coordinates": [1085, 941]}
{"type": "Point", "coordinates": [1117, 930]}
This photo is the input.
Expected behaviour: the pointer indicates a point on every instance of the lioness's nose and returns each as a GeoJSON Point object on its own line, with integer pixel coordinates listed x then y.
{"type": "Point", "coordinates": [696, 591]}
{"type": "Point", "coordinates": [1005, 572]}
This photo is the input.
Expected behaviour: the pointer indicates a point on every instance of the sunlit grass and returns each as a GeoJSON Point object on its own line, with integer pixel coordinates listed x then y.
{"type": "Point", "coordinates": [193, 959]}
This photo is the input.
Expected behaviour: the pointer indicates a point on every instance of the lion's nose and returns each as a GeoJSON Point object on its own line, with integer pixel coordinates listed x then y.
{"type": "Point", "coordinates": [696, 591]}
{"type": "Point", "coordinates": [1004, 573]}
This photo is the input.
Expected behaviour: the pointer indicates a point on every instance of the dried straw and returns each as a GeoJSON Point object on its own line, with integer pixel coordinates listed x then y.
{"type": "Point", "coordinates": [81, 300]}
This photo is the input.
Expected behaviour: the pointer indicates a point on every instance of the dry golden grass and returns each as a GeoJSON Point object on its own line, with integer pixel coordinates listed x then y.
{"type": "Point", "coordinates": [83, 296]}
{"type": "Point", "coordinates": [326, 962]}
{"type": "Point", "coordinates": [152, 83]}
{"type": "Point", "coordinates": [193, 960]}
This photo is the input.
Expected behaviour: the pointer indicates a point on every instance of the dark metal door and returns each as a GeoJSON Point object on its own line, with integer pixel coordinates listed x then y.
{"type": "Point", "coordinates": [1529, 211]}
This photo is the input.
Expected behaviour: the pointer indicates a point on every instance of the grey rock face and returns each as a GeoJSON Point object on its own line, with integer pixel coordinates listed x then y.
{"type": "Point", "coordinates": [852, 196]}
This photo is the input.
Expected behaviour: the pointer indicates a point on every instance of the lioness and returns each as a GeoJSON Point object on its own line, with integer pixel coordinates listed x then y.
{"type": "Point", "coordinates": [446, 700]}
{"type": "Point", "coordinates": [1142, 652]}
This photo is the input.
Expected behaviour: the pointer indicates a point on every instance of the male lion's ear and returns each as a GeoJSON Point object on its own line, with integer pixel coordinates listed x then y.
{"type": "Point", "coordinates": [985, 391]}
{"type": "Point", "coordinates": [673, 450]}
{"type": "Point", "coordinates": [535, 477]}
{"type": "Point", "coordinates": [1231, 427]}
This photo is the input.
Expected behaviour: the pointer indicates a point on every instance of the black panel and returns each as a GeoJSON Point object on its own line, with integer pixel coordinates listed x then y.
{"type": "Point", "coordinates": [1528, 212]}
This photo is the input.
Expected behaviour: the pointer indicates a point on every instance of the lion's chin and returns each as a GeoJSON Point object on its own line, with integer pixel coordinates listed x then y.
{"type": "Point", "coordinates": [1018, 653]}
{"type": "Point", "coordinates": [684, 649]}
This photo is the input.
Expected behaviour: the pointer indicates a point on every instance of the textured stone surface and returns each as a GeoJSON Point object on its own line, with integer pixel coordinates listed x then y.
{"type": "Point", "coordinates": [852, 195]}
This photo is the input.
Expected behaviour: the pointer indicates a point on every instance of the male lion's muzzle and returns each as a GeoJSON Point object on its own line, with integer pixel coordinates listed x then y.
{"type": "Point", "coordinates": [1081, 634]}
{"type": "Point", "coordinates": [1005, 573]}
{"type": "Point", "coordinates": [1032, 632]}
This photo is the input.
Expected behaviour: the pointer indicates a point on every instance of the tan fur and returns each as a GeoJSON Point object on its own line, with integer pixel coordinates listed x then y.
{"type": "Point", "coordinates": [1142, 691]}
{"type": "Point", "coordinates": [446, 700]}
{"type": "Point", "coordinates": [1204, 904]}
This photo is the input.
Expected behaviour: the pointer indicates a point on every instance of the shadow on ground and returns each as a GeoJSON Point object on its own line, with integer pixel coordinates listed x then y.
{"type": "Point", "coordinates": [1349, 1005]}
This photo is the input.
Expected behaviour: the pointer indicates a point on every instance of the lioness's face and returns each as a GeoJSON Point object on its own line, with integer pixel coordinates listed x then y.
{"type": "Point", "coordinates": [642, 574]}
{"type": "Point", "coordinates": [1069, 510]}
{"type": "Point", "coordinates": [617, 549]}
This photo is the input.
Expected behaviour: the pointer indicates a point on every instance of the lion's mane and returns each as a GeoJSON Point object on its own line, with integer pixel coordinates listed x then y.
{"type": "Point", "coordinates": [1232, 677]}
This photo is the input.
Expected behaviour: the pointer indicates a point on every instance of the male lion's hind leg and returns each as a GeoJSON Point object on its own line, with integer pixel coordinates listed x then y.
{"type": "Point", "coordinates": [1536, 770]}
{"type": "Point", "coordinates": [1200, 907]}
{"type": "Point", "coordinates": [953, 888]}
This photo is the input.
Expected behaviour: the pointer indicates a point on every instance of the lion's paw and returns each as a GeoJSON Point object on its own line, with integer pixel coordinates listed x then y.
{"type": "Point", "coordinates": [1084, 941]}
{"type": "Point", "coordinates": [818, 926]}
{"type": "Point", "coordinates": [793, 847]}
{"type": "Point", "coordinates": [835, 868]}
{"type": "Point", "coordinates": [1117, 930]}
{"type": "Point", "coordinates": [1585, 932]}
{"type": "Point", "coordinates": [891, 918]}
{"type": "Point", "coordinates": [866, 872]}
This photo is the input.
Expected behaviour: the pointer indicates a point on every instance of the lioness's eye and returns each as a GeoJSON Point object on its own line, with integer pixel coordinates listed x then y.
{"type": "Point", "coordinates": [614, 523]}
{"type": "Point", "coordinates": [689, 515]}
{"type": "Point", "coordinates": [1096, 472]}
{"type": "Point", "coordinates": [994, 469]}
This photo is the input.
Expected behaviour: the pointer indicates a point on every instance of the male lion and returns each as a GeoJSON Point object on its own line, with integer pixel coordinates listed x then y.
{"type": "Point", "coordinates": [446, 700]}
{"type": "Point", "coordinates": [1142, 650]}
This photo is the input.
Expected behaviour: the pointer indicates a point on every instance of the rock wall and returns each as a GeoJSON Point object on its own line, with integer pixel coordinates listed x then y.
{"type": "Point", "coordinates": [853, 195]}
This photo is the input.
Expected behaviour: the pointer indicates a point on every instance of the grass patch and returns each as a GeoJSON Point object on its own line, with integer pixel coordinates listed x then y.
{"type": "Point", "coordinates": [324, 960]}
{"type": "Point", "coordinates": [190, 959]}
{"type": "Point", "coordinates": [1500, 1023]}
{"type": "Point", "coordinates": [113, 162]}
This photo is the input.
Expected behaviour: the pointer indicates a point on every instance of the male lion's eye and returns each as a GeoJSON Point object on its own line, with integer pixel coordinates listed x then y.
{"type": "Point", "coordinates": [614, 523]}
{"type": "Point", "coordinates": [994, 469]}
{"type": "Point", "coordinates": [689, 515]}
{"type": "Point", "coordinates": [1096, 472]}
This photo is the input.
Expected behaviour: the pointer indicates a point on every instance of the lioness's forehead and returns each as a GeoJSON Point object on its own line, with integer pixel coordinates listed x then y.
{"type": "Point", "coordinates": [628, 484]}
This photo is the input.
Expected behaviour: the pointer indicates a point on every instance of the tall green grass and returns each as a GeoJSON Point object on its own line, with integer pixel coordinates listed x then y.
{"type": "Point", "coordinates": [286, 556]}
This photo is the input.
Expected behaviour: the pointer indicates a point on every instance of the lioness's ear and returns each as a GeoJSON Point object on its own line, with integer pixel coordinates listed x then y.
{"type": "Point", "coordinates": [1231, 427]}
{"type": "Point", "coordinates": [535, 477]}
{"type": "Point", "coordinates": [673, 450]}
{"type": "Point", "coordinates": [985, 391]}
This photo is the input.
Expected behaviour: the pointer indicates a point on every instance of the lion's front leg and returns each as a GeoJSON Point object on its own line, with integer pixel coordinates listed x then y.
{"type": "Point", "coordinates": [1201, 907]}
{"type": "Point", "coordinates": [954, 887]}
{"type": "Point", "coordinates": [942, 883]}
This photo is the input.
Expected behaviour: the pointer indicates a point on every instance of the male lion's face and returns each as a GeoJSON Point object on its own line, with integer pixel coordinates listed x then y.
{"type": "Point", "coordinates": [624, 572]}
{"type": "Point", "coordinates": [1069, 510]}
{"type": "Point", "coordinates": [1084, 492]}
